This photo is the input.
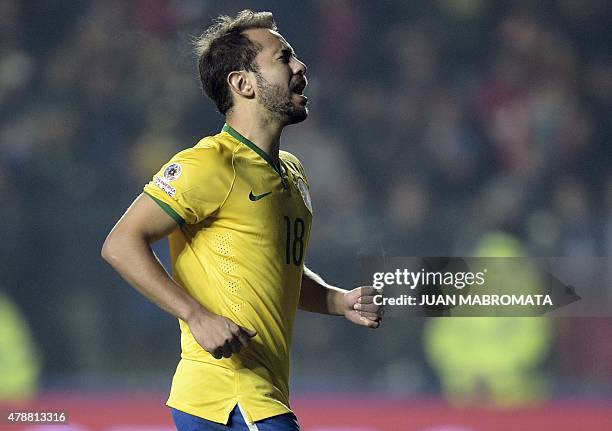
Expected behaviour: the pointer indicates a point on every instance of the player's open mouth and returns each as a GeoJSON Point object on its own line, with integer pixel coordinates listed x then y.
{"type": "Point", "coordinates": [299, 88]}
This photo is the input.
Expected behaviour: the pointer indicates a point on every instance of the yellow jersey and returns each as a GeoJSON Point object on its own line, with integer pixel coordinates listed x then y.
{"type": "Point", "coordinates": [244, 227]}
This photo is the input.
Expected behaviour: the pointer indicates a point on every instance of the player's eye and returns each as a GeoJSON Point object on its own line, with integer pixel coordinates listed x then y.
{"type": "Point", "coordinates": [286, 55]}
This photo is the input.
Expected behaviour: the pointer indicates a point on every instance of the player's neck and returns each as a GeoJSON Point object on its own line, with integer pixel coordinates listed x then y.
{"type": "Point", "coordinates": [266, 136]}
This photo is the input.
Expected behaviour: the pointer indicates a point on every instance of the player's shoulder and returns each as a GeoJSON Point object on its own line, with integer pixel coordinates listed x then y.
{"type": "Point", "coordinates": [291, 160]}
{"type": "Point", "coordinates": [208, 152]}
{"type": "Point", "coordinates": [288, 157]}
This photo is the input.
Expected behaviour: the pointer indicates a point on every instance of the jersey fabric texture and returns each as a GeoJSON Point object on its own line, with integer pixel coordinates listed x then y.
{"type": "Point", "coordinates": [237, 422]}
{"type": "Point", "coordinates": [244, 226]}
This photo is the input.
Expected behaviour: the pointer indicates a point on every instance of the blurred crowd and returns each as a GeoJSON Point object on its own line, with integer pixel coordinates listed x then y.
{"type": "Point", "coordinates": [431, 124]}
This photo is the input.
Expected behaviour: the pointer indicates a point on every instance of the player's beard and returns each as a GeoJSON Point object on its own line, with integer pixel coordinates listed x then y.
{"type": "Point", "coordinates": [279, 102]}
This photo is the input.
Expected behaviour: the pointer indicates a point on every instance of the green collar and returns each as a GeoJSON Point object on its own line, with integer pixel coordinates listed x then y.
{"type": "Point", "coordinates": [236, 135]}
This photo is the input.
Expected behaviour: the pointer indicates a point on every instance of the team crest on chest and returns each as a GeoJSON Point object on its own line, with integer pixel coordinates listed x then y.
{"type": "Point", "coordinates": [173, 171]}
{"type": "Point", "coordinates": [303, 188]}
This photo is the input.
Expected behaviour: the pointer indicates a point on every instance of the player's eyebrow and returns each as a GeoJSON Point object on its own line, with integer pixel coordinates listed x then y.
{"type": "Point", "coordinates": [286, 50]}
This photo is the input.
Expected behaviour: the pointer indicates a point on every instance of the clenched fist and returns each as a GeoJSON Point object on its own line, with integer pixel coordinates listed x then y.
{"type": "Point", "coordinates": [218, 335]}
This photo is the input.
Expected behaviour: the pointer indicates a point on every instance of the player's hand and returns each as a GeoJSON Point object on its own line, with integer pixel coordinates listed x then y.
{"type": "Point", "coordinates": [359, 306]}
{"type": "Point", "coordinates": [218, 335]}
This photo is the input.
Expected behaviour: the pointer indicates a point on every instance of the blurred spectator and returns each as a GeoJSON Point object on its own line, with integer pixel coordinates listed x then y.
{"type": "Point", "coordinates": [493, 360]}
{"type": "Point", "coordinates": [19, 358]}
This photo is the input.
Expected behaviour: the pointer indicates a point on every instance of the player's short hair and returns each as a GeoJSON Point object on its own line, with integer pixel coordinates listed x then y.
{"type": "Point", "coordinates": [224, 48]}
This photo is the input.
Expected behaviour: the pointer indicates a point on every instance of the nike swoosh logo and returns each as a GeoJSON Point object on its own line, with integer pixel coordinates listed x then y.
{"type": "Point", "coordinates": [257, 197]}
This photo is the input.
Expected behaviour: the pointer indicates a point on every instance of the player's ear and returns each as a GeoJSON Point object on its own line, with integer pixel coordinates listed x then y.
{"type": "Point", "coordinates": [240, 83]}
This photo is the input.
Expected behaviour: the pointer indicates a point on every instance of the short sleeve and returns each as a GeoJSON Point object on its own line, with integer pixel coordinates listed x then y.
{"type": "Point", "coordinates": [193, 184]}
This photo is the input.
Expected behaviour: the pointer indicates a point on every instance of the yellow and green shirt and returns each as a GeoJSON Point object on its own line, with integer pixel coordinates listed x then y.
{"type": "Point", "coordinates": [244, 225]}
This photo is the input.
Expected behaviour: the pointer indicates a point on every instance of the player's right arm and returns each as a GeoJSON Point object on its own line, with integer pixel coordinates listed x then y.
{"type": "Point", "coordinates": [128, 250]}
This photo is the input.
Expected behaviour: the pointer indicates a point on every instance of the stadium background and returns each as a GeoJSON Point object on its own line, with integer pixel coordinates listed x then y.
{"type": "Point", "coordinates": [433, 125]}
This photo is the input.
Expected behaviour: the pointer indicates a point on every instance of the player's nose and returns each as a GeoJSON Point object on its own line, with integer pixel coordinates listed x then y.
{"type": "Point", "coordinates": [299, 67]}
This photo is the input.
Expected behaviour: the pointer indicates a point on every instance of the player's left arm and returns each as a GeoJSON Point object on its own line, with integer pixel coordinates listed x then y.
{"type": "Point", "coordinates": [356, 305]}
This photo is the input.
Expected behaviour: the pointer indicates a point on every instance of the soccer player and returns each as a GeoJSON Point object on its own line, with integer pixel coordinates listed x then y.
{"type": "Point", "coordinates": [237, 214]}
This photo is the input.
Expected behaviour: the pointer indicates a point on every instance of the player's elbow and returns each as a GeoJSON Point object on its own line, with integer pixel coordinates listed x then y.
{"type": "Point", "coordinates": [111, 249]}
{"type": "Point", "coordinates": [121, 243]}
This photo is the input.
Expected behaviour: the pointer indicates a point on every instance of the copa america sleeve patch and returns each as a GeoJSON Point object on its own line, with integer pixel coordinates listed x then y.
{"type": "Point", "coordinates": [173, 171]}
{"type": "Point", "coordinates": [163, 184]}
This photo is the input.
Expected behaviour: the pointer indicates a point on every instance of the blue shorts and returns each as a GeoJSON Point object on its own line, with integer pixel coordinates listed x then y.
{"type": "Point", "coordinates": [237, 422]}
